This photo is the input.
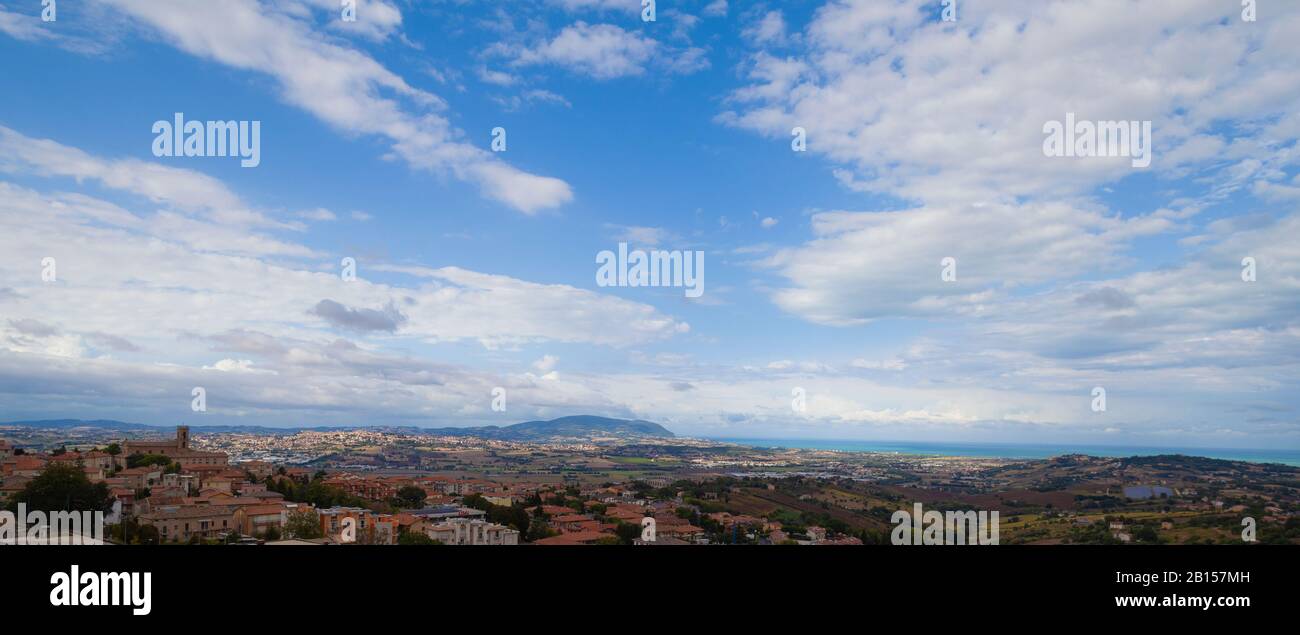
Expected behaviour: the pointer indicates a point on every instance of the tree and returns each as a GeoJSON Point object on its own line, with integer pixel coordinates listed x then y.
{"type": "Point", "coordinates": [148, 535]}
{"type": "Point", "coordinates": [63, 487]}
{"type": "Point", "coordinates": [113, 449]}
{"type": "Point", "coordinates": [302, 524]}
{"type": "Point", "coordinates": [627, 532]}
{"type": "Point", "coordinates": [416, 538]}
{"type": "Point", "coordinates": [411, 496]}
{"type": "Point", "coordinates": [145, 460]}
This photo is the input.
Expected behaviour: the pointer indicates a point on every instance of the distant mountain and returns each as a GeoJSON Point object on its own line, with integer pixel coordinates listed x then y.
{"type": "Point", "coordinates": [105, 424]}
{"type": "Point", "coordinates": [577, 426]}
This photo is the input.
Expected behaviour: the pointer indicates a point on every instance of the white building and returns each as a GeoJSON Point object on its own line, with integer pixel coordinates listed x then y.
{"type": "Point", "coordinates": [464, 531]}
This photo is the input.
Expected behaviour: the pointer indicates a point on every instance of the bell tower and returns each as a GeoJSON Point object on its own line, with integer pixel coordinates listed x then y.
{"type": "Point", "coordinates": [182, 437]}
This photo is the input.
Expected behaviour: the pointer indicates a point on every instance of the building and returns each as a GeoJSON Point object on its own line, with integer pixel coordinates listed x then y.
{"type": "Point", "coordinates": [259, 519]}
{"type": "Point", "coordinates": [181, 523]}
{"type": "Point", "coordinates": [11, 485]}
{"type": "Point", "coordinates": [575, 523]}
{"type": "Point", "coordinates": [177, 449]}
{"type": "Point", "coordinates": [6, 450]}
{"type": "Point", "coordinates": [141, 477]}
{"type": "Point", "coordinates": [440, 513]}
{"type": "Point", "coordinates": [464, 531]}
{"type": "Point", "coordinates": [368, 527]}
{"type": "Point", "coordinates": [580, 538]}
{"type": "Point", "coordinates": [260, 469]}
{"type": "Point", "coordinates": [92, 459]}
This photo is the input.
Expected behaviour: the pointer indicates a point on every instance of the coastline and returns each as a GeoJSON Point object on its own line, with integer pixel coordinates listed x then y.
{"type": "Point", "coordinates": [1289, 457]}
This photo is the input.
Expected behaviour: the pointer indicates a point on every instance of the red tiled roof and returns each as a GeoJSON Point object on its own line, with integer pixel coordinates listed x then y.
{"type": "Point", "coordinates": [577, 538]}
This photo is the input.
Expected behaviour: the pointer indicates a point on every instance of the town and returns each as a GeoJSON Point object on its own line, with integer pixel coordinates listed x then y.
{"type": "Point", "coordinates": [390, 486]}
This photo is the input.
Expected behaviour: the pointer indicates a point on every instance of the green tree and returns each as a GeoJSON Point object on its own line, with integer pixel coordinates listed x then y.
{"type": "Point", "coordinates": [145, 460]}
{"type": "Point", "coordinates": [411, 496]}
{"type": "Point", "coordinates": [62, 487]}
{"type": "Point", "coordinates": [416, 538]}
{"type": "Point", "coordinates": [627, 532]}
{"type": "Point", "coordinates": [148, 535]}
{"type": "Point", "coordinates": [302, 524]}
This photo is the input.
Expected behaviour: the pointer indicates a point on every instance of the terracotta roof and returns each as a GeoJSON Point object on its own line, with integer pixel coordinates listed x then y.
{"type": "Point", "coordinates": [263, 510]}
{"type": "Point", "coordinates": [577, 538]}
{"type": "Point", "coordinates": [188, 511]}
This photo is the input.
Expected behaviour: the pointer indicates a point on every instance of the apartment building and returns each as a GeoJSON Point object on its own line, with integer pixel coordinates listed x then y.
{"type": "Point", "coordinates": [465, 531]}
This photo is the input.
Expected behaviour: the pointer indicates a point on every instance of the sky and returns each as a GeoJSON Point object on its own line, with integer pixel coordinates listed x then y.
{"type": "Point", "coordinates": [889, 250]}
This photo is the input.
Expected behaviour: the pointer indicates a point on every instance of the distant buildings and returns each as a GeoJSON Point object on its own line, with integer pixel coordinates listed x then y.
{"type": "Point", "coordinates": [177, 449]}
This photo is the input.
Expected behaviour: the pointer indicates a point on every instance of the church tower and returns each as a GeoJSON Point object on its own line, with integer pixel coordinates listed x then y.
{"type": "Point", "coordinates": [183, 437]}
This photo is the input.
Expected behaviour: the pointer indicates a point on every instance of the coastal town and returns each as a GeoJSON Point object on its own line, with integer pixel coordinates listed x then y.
{"type": "Point", "coordinates": [388, 486]}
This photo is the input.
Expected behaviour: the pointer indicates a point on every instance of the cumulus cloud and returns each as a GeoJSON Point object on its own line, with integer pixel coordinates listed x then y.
{"type": "Point", "coordinates": [912, 106]}
{"type": "Point", "coordinates": [342, 86]}
{"type": "Point", "coordinates": [606, 51]}
{"type": "Point", "coordinates": [603, 51]}
{"type": "Point", "coordinates": [867, 265]}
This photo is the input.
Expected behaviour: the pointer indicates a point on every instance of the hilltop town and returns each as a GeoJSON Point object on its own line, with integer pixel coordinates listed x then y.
{"type": "Point", "coordinates": [411, 486]}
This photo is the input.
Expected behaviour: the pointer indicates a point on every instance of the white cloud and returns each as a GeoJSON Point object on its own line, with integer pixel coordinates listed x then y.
{"type": "Point", "coordinates": [603, 51]}
{"type": "Point", "coordinates": [770, 29]}
{"type": "Point", "coordinates": [867, 265]}
{"type": "Point", "coordinates": [546, 363]}
{"type": "Point", "coordinates": [318, 214]}
{"type": "Point", "coordinates": [918, 108]}
{"type": "Point", "coordinates": [235, 366]}
{"type": "Point", "coordinates": [343, 87]}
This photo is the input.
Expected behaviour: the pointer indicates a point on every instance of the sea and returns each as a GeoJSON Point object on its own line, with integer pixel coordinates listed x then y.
{"type": "Point", "coordinates": [1022, 451]}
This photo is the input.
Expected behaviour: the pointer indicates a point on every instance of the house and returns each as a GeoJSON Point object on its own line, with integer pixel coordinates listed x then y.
{"type": "Point", "coordinates": [465, 531]}
{"type": "Point", "coordinates": [685, 532]}
{"type": "Point", "coordinates": [102, 461]}
{"type": "Point", "coordinates": [126, 497]}
{"type": "Point", "coordinates": [575, 523]}
{"type": "Point", "coordinates": [259, 469]}
{"type": "Point", "coordinates": [505, 500]}
{"type": "Point", "coordinates": [187, 483]}
{"type": "Point", "coordinates": [25, 465]}
{"type": "Point", "coordinates": [11, 485]}
{"type": "Point", "coordinates": [141, 477]}
{"type": "Point", "coordinates": [367, 527]}
{"type": "Point", "coordinates": [181, 523]}
{"type": "Point", "coordinates": [577, 538]}
{"type": "Point", "coordinates": [262, 517]}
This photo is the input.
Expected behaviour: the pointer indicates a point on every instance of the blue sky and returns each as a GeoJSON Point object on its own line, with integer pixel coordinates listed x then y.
{"type": "Point", "coordinates": [476, 269]}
